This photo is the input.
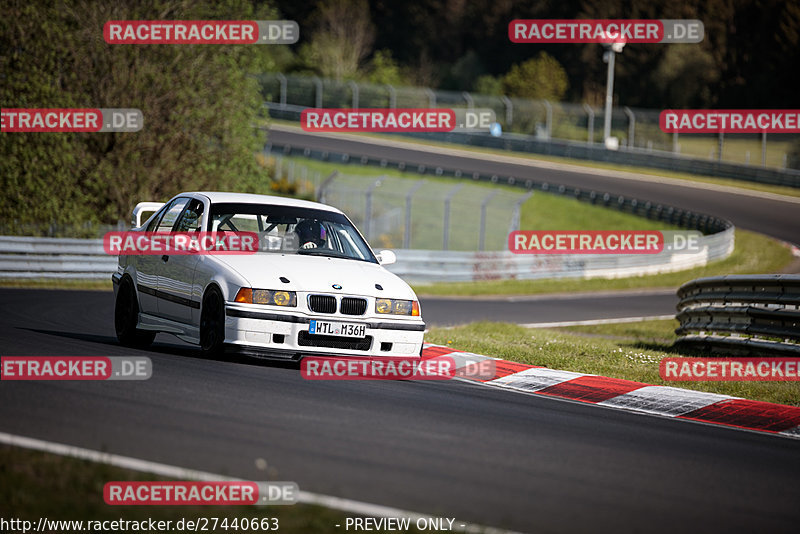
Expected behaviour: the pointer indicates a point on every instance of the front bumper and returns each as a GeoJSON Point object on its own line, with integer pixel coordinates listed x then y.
{"type": "Point", "coordinates": [247, 327]}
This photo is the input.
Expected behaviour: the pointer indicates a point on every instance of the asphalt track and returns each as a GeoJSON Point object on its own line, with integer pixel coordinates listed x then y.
{"type": "Point", "coordinates": [488, 456]}
{"type": "Point", "coordinates": [548, 308]}
{"type": "Point", "coordinates": [772, 217]}
{"type": "Point", "coordinates": [483, 455]}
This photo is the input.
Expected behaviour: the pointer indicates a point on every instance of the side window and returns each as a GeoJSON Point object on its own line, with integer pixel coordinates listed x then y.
{"type": "Point", "coordinates": [171, 214]}
{"type": "Point", "coordinates": [151, 227]}
{"type": "Point", "coordinates": [191, 217]}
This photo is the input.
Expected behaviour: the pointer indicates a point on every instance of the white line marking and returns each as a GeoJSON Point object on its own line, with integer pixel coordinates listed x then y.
{"type": "Point", "coordinates": [664, 400]}
{"type": "Point", "coordinates": [535, 379]}
{"type": "Point", "coordinates": [792, 432]}
{"type": "Point", "coordinates": [648, 400]}
{"type": "Point", "coordinates": [590, 322]}
{"type": "Point", "coordinates": [575, 295]}
{"type": "Point", "coordinates": [182, 473]}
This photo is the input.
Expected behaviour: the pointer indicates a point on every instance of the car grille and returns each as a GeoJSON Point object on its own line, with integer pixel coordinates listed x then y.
{"type": "Point", "coordinates": [322, 303]}
{"type": "Point", "coordinates": [353, 306]}
{"type": "Point", "coordinates": [304, 339]}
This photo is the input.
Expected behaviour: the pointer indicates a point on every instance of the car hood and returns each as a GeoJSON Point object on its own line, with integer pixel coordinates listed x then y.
{"type": "Point", "coordinates": [318, 274]}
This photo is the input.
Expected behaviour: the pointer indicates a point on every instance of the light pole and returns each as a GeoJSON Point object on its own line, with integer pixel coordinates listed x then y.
{"type": "Point", "coordinates": [611, 50]}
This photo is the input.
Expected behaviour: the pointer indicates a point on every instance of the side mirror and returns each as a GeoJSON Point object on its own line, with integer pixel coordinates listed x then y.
{"type": "Point", "coordinates": [386, 257]}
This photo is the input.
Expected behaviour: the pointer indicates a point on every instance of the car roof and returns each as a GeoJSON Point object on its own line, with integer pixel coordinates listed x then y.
{"type": "Point", "coordinates": [248, 198]}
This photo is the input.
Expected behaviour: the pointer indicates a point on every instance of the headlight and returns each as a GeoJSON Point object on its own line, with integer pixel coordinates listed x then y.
{"type": "Point", "coordinates": [271, 297]}
{"type": "Point", "coordinates": [397, 307]}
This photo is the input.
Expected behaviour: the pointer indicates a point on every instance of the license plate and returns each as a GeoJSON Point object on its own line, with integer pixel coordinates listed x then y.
{"type": "Point", "coordinates": [330, 328]}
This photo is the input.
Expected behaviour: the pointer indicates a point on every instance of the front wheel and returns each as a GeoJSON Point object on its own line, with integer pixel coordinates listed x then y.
{"type": "Point", "coordinates": [126, 317]}
{"type": "Point", "coordinates": [212, 324]}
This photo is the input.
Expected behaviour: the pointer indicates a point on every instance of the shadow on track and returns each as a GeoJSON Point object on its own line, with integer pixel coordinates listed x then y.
{"type": "Point", "coordinates": [186, 351]}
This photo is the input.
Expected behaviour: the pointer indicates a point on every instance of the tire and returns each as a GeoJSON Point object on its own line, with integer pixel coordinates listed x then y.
{"type": "Point", "coordinates": [126, 317]}
{"type": "Point", "coordinates": [212, 324]}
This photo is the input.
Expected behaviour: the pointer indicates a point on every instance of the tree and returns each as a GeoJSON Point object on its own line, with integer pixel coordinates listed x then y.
{"type": "Point", "coordinates": [489, 85]}
{"type": "Point", "coordinates": [541, 77]}
{"type": "Point", "coordinates": [793, 159]}
{"type": "Point", "coordinates": [684, 77]}
{"type": "Point", "coordinates": [383, 69]}
{"type": "Point", "coordinates": [199, 104]}
{"type": "Point", "coordinates": [464, 72]}
{"type": "Point", "coordinates": [342, 39]}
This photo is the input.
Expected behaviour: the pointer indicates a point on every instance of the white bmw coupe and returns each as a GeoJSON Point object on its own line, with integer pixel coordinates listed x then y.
{"type": "Point", "coordinates": [314, 286]}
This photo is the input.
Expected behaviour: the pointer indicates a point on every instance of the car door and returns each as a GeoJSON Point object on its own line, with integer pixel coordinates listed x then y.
{"type": "Point", "coordinates": [148, 266]}
{"type": "Point", "coordinates": [176, 272]}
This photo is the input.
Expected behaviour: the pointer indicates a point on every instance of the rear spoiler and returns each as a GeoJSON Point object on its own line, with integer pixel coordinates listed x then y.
{"type": "Point", "coordinates": [141, 208]}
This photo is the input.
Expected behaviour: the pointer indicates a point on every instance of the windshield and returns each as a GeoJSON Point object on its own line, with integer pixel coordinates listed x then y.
{"type": "Point", "coordinates": [293, 230]}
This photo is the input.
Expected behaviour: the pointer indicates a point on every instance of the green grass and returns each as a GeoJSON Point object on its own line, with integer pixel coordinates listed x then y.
{"type": "Point", "coordinates": [699, 148]}
{"type": "Point", "coordinates": [35, 484]}
{"type": "Point", "coordinates": [627, 351]}
{"type": "Point", "coordinates": [551, 212]}
{"type": "Point", "coordinates": [543, 211]}
{"type": "Point", "coordinates": [754, 254]}
{"type": "Point", "coordinates": [735, 150]}
{"type": "Point", "coordinates": [60, 283]}
{"type": "Point", "coordinates": [639, 331]}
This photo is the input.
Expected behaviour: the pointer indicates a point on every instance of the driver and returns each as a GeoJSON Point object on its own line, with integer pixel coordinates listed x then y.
{"type": "Point", "coordinates": [311, 233]}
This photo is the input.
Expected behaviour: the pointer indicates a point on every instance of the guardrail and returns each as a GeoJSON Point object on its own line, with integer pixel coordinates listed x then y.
{"type": "Point", "coordinates": [633, 156]}
{"type": "Point", "coordinates": [635, 127]}
{"type": "Point", "coordinates": [642, 208]}
{"type": "Point", "coordinates": [30, 257]}
{"type": "Point", "coordinates": [741, 313]}
{"type": "Point", "coordinates": [52, 257]}
{"type": "Point", "coordinates": [427, 266]}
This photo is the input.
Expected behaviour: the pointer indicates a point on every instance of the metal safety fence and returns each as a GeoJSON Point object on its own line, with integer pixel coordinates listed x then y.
{"type": "Point", "coordinates": [60, 258]}
{"type": "Point", "coordinates": [741, 313]}
{"type": "Point", "coordinates": [53, 257]}
{"type": "Point", "coordinates": [425, 266]}
{"type": "Point", "coordinates": [643, 208]}
{"type": "Point", "coordinates": [424, 213]}
{"type": "Point", "coordinates": [428, 266]}
{"type": "Point", "coordinates": [34, 257]}
{"type": "Point", "coordinates": [555, 128]}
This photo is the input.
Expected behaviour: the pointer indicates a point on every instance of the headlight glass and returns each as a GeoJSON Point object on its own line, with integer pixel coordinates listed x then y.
{"type": "Point", "coordinates": [271, 297]}
{"type": "Point", "coordinates": [401, 307]}
{"type": "Point", "coordinates": [397, 307]}
{"type": "Point", "coordinates": [262, 296]}
{"type": "Point", "coordinates": [283, 298]}
{"type": "Point", "coordinates": [383, 306]}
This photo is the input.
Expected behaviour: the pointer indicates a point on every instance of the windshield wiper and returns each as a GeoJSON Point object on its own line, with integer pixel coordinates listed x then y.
{"type": "Point", "coordinates": [323, 252]}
